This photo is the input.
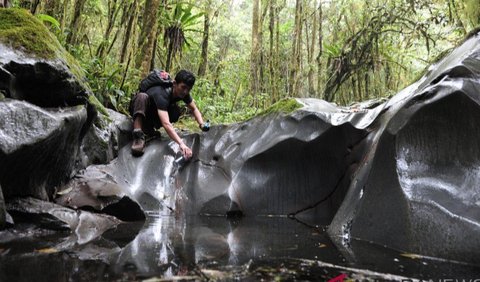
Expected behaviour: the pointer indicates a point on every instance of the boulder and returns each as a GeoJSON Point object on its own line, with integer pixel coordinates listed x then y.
{"type": "Point", "coordinates": [34, 143]}
{"type": "Point", "coordinates": [95, 190]}
{"type": "Point", "coordinates": [85, 225]}
{"type": "Point", "coordinates": [249, 168]}
{"type": "Point", "coordinates": [105, 137]}
{"type": "Point", "coordinates": [38, 147]}
{"type": "Point", "coordinates": [417, 189]}
{"type": "Point", "coordinates": [3, 212]}
{"type": "Point", "coordinates": [34, 66]}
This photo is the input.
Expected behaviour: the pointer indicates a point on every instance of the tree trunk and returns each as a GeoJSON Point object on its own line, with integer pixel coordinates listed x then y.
{"type": "Point", "coordinates": [132, 11]}
{"type": "Point", "coordinates": [152, 61]}
{"type": "Point", "coordinates": [261, 55]}
{"type": "Point", "coordinates": [113, 10]}
{"type": "Point", "coordinates": [202, 69]}
{"type": "Point", "coordinates": [147, 36]}
{"type": "Point", "coordinates": [5, 4]}
{"type": "Point", "coordinates": [64, 15]}
{"type": "Point", "coordinates": [296, 50]}
{"type": "Point", "coordinates": [281, 85]}
{"type": "Point", "coordinates": [271, 55]}
{"type": "Point", "coordinates": [49, 8]}
{"type": "Point", "coordinates": [453, 7]}
{"type": "Point", "coordinates": [311, 79]}
{"type": "Point", "coordinates": [75, 23]}
{"type": "Point", "coordinates": [320, 49]}
{"type": "Point", "coordinates": [255, 50]}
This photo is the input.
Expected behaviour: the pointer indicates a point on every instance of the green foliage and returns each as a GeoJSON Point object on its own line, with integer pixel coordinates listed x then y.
{"type": "Point", "coordinates": [49, 19]}
{"type": "Point", "coordinates": [106, 83]}
{"type": "Point", "coordinates": [218, 106]}
{"type": "Point", "coordinates": [179, 22]}
{"type": "Point", "coordinates": [373, 48]}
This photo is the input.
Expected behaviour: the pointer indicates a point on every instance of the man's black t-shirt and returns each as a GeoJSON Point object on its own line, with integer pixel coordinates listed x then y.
{"type": "Point", "coordinates": [163, 97]}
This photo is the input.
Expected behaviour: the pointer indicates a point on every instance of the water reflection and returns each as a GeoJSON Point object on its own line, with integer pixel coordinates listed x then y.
{"type": "Point", "coordinates": [203, 248]}
{"type": "Point", "coordinates": [171, 246]}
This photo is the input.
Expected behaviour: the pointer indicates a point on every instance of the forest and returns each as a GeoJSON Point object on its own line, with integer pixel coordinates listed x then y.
{"type": "Point", "coordinates": [249, 54]}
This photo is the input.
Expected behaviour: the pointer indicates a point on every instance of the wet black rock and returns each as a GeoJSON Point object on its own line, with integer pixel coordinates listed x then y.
{"type": "Point", "coordinates": [281, 164]}
{"type": "Point", "coordinates": [38, 147]}
{"type": "Point", "coordinates": [34, 66]}
{"type": "Point", "coordinates": [3, 212]}
{"type": "Point", "coordinates": [94, 190]}
{"type": "Point", "coordinates": [417, 188]}
{"type": "Point", "coordinates": [86, 226]}
{"type": "Point", "coordinates": [104, 138]}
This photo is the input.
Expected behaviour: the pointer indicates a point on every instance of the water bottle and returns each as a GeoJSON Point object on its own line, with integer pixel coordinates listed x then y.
{"type": "Point", "coordinates": [180, 161]}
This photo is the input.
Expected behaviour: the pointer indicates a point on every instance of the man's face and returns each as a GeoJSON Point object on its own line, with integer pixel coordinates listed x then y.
{"type": "Point", "coordinates": [181, 89]}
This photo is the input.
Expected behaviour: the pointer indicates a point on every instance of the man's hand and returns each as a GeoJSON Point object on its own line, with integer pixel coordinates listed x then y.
{"type": "Point", "coordinates": [187, 152]}
{"type": "Point", "coordinates": [205, 126]}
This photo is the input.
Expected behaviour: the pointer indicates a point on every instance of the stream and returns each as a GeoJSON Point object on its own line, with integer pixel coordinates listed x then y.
{"type": "Point", "coordinates": [203, 248]}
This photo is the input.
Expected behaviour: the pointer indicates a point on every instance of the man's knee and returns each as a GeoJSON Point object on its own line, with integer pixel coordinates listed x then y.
{"type": "Point", "coordinates": [139, 104]}
{"type": "Point", "coordinates": [141, 97]}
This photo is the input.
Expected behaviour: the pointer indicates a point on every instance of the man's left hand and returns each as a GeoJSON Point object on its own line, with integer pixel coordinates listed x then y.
{"type": "Point", "coordinates": [205, 126]}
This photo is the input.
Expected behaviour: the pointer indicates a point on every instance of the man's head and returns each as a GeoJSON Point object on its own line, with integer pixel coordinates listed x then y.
{"type": "Point", "coordinates": [183, 83]}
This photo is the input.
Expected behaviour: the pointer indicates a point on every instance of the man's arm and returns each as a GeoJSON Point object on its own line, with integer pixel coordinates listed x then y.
{"type": "Point", "coordinates": [196, 113]}
{"type": "Point", "coordinates": [165, 120]}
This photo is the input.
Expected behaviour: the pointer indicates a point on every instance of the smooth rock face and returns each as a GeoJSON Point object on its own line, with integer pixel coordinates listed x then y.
{"type": "Point", "coordinates": [94, 190]}
{"type": "Point", "coordinates": [45, 84]}
{"type": "Point", "coordinates": [105, 137]}
{"type": "Point", "coordinates": [38, 147]}
{"type": "Point", "coordinates": [267, 166]}
{"type": "Point", "coordinates": [85, 225]}
{"type": "Point", "coordinates": [417, 188]}
{"type": "Point", "coordinates": [3, 212]}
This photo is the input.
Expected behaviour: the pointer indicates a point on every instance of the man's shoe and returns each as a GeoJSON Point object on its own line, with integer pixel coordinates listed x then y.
{"type": "Point", "coordinates": [138, 145]}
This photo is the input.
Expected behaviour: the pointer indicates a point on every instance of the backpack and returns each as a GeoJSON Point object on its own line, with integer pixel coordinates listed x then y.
{"type": "Point", "coordinates": [155, 78]}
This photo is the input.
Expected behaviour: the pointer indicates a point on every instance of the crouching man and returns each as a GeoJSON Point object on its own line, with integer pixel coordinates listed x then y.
{"type": "Point", "coordinates": [156, 106]}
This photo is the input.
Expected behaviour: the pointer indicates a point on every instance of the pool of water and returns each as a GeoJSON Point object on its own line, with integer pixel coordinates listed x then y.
{"type": "Point", "coordinates": [203, 248]}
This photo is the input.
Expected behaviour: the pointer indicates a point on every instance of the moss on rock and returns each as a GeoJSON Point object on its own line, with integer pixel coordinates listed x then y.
{"type": "Point", "coordinates": [100, 108]}
{"type": "Point", "coordinates": [286, 106]}
{"type": "Point", "coordinates": [20, 30]}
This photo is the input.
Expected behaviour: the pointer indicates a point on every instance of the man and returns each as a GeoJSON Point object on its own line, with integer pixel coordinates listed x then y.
{"type": "Point", "coordinates": [157, 107]}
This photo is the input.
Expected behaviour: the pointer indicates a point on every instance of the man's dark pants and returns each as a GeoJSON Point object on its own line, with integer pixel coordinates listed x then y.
{"type": "Point", "coordinates": [142, 104]}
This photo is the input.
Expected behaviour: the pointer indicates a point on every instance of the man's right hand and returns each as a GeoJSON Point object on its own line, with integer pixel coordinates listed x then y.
{"type": "Point", "coordinates": [187, 152]}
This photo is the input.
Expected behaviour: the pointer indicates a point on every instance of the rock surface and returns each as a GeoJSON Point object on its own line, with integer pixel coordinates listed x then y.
{"type": "Point", "coordinates": [34, 66]}
{"type": "Point", "coordinates": [401, 173]}
{"type": "Point", "coordinates": [3, 211]}
{"type": "Point", "coordinates": [38, 147]}
{"type": "Point", "coordinates": [101, 195]}
{"type": "Point", "coordinates": [417, 189]}
{"type": "Point", "coordinates": [85, 225]}
{"type": "Point", "coordinates": [104, 138]}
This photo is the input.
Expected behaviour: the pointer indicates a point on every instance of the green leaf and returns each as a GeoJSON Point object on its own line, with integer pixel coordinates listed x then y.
{"type": "Point", "coordinates": [332, 50]}
{"type": "Point", "coordinates": [113, 101]}
{"type": "Point", "coordinates": [49, 19]}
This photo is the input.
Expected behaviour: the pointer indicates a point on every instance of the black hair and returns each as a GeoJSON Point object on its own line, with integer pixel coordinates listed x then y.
{"type": "Point", "coordinates": [186, 77]}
